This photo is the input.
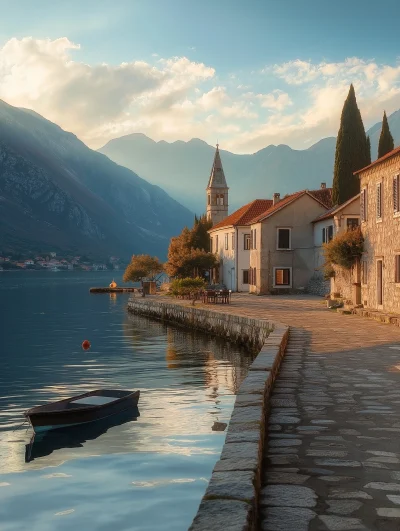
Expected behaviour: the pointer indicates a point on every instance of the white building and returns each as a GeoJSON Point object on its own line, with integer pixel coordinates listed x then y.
{"type": "Point", "coordinates": [230, 239]}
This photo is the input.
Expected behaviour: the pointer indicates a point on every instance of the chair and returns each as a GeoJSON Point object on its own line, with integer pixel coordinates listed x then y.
{"type": "Point", "coordinates": [210, 296]}
{"type": "Point", "coordinates": [225, 296]}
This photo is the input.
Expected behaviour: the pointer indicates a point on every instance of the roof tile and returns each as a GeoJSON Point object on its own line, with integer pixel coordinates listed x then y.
{"type": "Point", "coordinates": [244, 214]}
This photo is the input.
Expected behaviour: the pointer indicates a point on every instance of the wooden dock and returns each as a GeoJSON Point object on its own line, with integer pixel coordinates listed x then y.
{"type": "Point", "coordinates": [113, 290]}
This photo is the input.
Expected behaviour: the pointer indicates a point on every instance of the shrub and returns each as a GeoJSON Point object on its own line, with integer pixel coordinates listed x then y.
{"type": "Point", "coordinates": [345, 249]}
{"type": "Point", "coordinates": [183, 287]}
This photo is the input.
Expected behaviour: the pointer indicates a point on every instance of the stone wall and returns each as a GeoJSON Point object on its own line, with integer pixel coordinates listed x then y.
{"type": "Point", "coordinates": [318, 285]}
{"type": "Point", "coordinates": [231, 498]}
{"type": "Point", "coordinates": [382, 236]}
{"type": "Point", "coordinates": [241, 330]}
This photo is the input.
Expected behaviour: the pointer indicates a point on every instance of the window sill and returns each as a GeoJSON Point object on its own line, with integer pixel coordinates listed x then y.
{"type": "Point", "coordinates": [282, 286]}
{"type": "Point", "coordinates": [379, 220]}
{"type": "Point", "coordinates": [396, 215]}
{"type": "Point", "coordinates": [397, 284]}
{"type": "Point", "coordinates": [278, 249]}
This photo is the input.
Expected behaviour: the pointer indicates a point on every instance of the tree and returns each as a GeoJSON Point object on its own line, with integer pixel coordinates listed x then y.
{"type": "Point", "coordinates": [351, 151]}
{"type": "Point", "coordinates": [142, 266]}
{"type": "Point", "coordinates": [386, 142]}
{"type": "Point", "coordinates": [369, 149]}
{"type": "Point", "coordinates": [188, 253]}
{"type": "Point", "coordinates": [200, 238]}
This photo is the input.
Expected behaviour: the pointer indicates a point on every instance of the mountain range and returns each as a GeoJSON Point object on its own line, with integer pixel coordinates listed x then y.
{"type": "Point", "coordinates": [57, 194]}
{"type": "Point", "coordinates": [183, 168]}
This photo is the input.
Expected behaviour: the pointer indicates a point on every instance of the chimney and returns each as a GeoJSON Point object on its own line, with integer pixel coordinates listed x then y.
{"type": "Point", "coordinates": [276, 199]}
{"type": "Point", "coordinates": [323, 186]}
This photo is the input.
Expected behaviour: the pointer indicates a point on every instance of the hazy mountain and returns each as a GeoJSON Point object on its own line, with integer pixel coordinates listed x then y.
{"type": "Point", "coordinates": [56, 193]}
{"type": "Point", "coordinates": [183, 168]}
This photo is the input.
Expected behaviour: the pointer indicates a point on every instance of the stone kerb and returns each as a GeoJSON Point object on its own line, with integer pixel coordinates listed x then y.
{"type": "Point", "coordinates": [231, 498]}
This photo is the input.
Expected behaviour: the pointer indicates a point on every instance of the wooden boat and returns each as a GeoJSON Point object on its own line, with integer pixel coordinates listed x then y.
{"type": "Point", "coordinates": [81, 409]}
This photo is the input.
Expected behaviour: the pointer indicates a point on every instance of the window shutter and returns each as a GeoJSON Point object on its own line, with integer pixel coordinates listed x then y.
{"type": "Point", "coordinates": [397, 268]}
{"type": "Point", "coordinates": [396, 194]}
{"type": "Point", "coordinates": [379, 201]}
{"type": "Point", "coordinates": [362, 205]}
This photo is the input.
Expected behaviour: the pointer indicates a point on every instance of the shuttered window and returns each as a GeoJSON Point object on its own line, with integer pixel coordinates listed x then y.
{"type": "Point", "coordinates": [364, 272]}
{"type": "Point", "coordinates": [282, 276]}
{"type": "Point", "coordinates": [246, 244]}
{"type": "Point", "coordinates": [226, 242]}
{"type": "Point", "coordinates": [233, 240]}
{"type": "Point", "coordinates": [245, 276]}
{"type": "Point", "coordinates": [397, 269]}
{"type": "Point", "coordinates": [379, 201]}
{"type": "Point", "coordinates": [364, 204]}
{"type": "Point", "coordinates": [396, 194]}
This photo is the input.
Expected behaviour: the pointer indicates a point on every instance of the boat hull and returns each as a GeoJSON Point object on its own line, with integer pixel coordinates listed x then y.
{"type": "Point", "coordinates": [43, 418]}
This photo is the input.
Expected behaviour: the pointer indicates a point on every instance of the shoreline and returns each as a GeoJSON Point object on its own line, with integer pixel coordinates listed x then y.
{"type": "Point", "coordinates": [231, 500]}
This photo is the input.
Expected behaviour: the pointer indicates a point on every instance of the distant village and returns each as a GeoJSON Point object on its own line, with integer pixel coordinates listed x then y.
{"type": "Point", "coordinates": [53, 262]}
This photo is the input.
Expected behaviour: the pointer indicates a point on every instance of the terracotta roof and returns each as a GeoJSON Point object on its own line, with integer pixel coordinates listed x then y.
{"type": "Point", "coordinates": [315, 194]}
{"type": "Point", "coordinates": [378, 161]}
{"type": "Point", "coordinates": [274, 208]}
{"type": "Point", "coordinates": [324, 195]}
{"type": "Point", "coordinates": [337, 208]}
{"type": "Point", "coordinates": [244, 214]}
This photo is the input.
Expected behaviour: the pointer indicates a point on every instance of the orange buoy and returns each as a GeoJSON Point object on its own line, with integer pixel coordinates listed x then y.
{"type": "Point", "coordinates": [86, 344]}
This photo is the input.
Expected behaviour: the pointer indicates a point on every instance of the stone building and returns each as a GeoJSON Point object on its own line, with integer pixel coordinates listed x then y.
{"type": "Point", "coordinates": [380, 225]}
{"type": "Point", "coordinates": [230, 239]}
{"type": "Point", "coordinates": [326, 227]}
{"type": "Point", "coordinates": [217, 191]}
{"type": "Point", "coordinates": [282, 242]}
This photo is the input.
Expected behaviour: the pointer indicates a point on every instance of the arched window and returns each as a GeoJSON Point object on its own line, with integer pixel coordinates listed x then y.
{"type": "Point", "coordinates": [220, 199]}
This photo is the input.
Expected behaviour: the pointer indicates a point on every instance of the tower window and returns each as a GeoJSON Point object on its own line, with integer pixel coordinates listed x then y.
{"type": "Point", "coordinates": [220, 199]}
{"type": "Point", "coordinates": [209, 199]}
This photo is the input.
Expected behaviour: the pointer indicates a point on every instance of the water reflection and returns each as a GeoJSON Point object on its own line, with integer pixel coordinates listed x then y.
{"type": "Point", "coordinates": [133, 471]}
{"type": "Point", "coordinates": [44, 444]}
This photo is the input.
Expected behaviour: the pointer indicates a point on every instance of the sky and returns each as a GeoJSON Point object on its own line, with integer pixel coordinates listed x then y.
{"type": "Point", "coordinates": [245, 73]}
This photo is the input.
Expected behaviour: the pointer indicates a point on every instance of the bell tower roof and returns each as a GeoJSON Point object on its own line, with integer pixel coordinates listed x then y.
{"type": "Point", "coordinates": [217, 177]}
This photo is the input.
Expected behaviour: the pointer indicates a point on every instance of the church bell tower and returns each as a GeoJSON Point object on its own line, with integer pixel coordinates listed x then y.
{"type": "Point", "coordinates": [217, 192]}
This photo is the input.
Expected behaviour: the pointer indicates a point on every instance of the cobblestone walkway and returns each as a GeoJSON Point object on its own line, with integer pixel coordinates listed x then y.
{"type": "Point", "coordinates": [333, 455]}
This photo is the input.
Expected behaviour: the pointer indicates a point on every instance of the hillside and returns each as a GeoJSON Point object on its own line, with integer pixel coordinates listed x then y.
{"type": "Point", "coordinates": [183, 168]}
{"type": "Point", "coordinates": [56, 192]}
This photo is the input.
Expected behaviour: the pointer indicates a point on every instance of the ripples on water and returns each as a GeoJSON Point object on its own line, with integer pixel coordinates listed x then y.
{"type": "Point", "coordinates": [142, 473]}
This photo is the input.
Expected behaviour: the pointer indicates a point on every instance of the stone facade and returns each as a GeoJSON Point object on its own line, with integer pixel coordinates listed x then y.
{"type": "Point", "coordinates": [381, 230]}
{"type": "Point", "coordinates": [326, 227]}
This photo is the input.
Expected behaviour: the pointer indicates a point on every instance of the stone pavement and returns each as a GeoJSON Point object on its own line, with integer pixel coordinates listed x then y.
{"type": "Point", "coordinates": [333, 455]}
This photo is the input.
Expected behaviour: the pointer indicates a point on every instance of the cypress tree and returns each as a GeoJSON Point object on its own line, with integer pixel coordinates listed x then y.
{"type": "Point", "coordinates": [369, 149]}
{"type": "Point", "coordinates": [386, 143]}
{"type": "Point", "coordinates": [351, 151]}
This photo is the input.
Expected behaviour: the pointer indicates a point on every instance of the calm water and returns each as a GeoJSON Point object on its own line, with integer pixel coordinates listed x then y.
{"type": "Point", "coordinates": [147, 471]}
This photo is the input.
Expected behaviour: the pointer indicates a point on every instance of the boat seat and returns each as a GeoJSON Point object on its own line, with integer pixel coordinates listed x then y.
{"type": "Point", "coordinates": [94, 400]}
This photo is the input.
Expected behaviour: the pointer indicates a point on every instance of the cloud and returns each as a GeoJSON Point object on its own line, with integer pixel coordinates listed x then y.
{"type": "Point", "coordinates": [297, 102]}
{"type": "Point", "coordinates": [276, 100]}
{"type": "Point", "coordinates": [86, 99]}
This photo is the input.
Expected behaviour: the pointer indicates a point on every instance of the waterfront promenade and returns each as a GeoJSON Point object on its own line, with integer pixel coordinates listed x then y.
{"type": "Point", "coordinates": [332, 459]}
